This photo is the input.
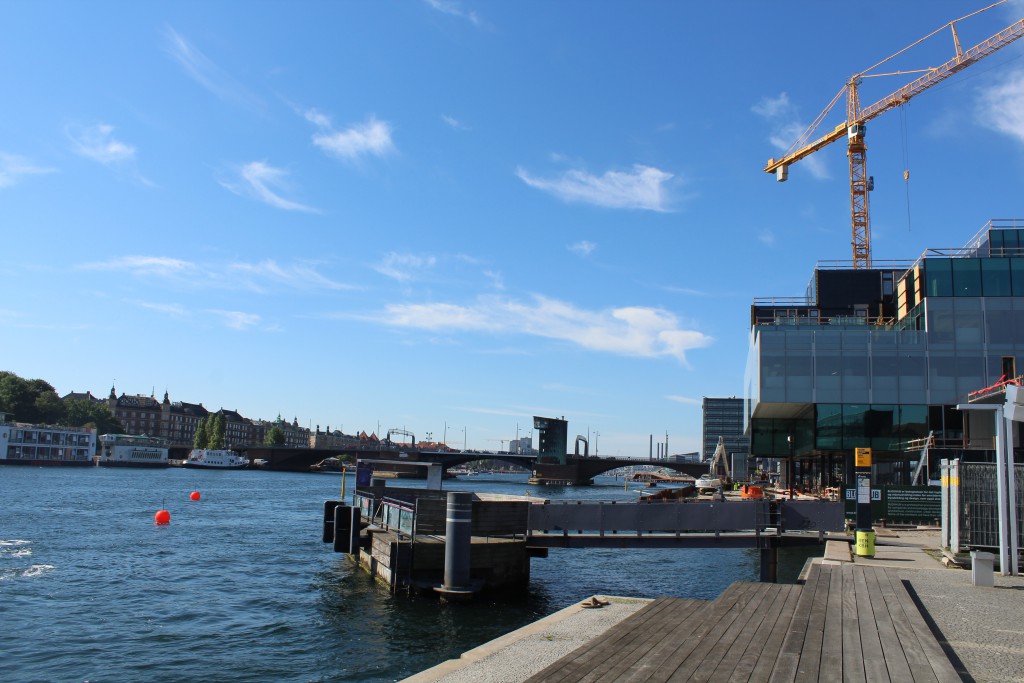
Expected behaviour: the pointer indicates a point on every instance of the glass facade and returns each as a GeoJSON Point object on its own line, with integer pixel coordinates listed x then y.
{"type": "Point", "coordinates": [955, 325]}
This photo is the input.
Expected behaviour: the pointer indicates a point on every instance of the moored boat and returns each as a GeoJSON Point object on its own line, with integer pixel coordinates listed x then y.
{"type": "Point", "coordinates": [215, 459]}
{"type": "Point", "coordinates": [126, 450]}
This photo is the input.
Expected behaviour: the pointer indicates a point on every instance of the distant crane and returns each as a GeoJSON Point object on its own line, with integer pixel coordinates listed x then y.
{"type": "Point", "coordinates": [854, 127]}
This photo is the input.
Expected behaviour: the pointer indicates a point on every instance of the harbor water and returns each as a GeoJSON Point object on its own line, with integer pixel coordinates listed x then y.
{"type": "Point", "coordinates": [239, 586]}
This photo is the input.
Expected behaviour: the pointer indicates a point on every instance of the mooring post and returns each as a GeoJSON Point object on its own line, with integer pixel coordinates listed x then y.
{"type": "Point", "coordinates": [770, 562]}
{"type": "Point", "coordinates": [458, 537]}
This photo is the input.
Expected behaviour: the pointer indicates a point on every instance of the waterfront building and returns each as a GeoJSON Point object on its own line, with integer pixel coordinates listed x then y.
{"type": "Point", "coordinates": [27, 444]}
{"type": "Point", "coordinates": [181, 420]}
{"type": "Point", "coordinates": [880, 358]}
{"type": "Point", "coordinates": [522, 445]}
{"type": "Point", "coordinates": [332, 440]}
{"type": "Point", "coordinates": [139, 414]}
{"type": "Point", "coordinates": [723, 418]}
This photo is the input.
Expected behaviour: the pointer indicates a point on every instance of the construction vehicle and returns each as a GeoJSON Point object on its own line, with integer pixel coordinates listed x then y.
{"type": "Point", "coordinates": [854, 127]}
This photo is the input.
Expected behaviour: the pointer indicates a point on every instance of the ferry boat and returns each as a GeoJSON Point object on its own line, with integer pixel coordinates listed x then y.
{"type": "Point", "coordinates": [126, 450]}
{"type": "Point", "coordinates": [211, 459]}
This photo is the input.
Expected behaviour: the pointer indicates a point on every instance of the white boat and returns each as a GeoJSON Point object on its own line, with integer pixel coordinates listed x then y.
{"type": "Point", "coordinates": [210, 459]}
{"type": "Point", "coordinates": [706, 482]}
{"type": "Point", "coordinates": [126, 450]}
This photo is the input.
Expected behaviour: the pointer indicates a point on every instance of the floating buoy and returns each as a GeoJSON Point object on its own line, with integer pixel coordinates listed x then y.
{"type": "Point", "coordinates": [162, 517]}
{"type": "Point", "coordinates": [194, 495]}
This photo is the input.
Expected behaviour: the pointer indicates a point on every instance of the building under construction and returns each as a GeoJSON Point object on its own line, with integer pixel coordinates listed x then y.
{"type": "Point", "coordinates": [881, 357]}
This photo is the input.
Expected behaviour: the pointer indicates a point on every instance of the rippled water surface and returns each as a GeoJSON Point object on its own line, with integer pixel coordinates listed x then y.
{"type": "Point", "coordinates": [238, 587]}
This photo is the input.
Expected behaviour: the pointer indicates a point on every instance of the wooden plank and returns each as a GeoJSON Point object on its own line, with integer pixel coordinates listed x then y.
{"type": "Point", "coordinates": [748, 615]}
{"type": "Point", "coordinates": [917, 660]}
{"type": "Point", "coordinates": [871, 646]}
{"type": "Point", "coordinates": [617, 642]}
{"type": "Point", "coordinates": [810, 654]}
{"type": "Point", "coordinates": [789, 656]}
{"type": "Point", "coordinates": [680, 626]}
{"type": "Point", "coordinates": [616, 638]}
{"type": "Point", "coordinates": [895, 658]}
{"type": "Point", "coordinates": [853, 659]}
{"type": "Point", "coordinates": [831, 662]}
{"type": "Point", "coordinates": [683, 666]}
{"type": "Point", "coordinates": [768, 608]}
{"type": "Point", "coordinates": [775, 623]}
{"type": "Point", "coordinates": [943, 669]}
{"type": "Point", "coordinates": [663, 659]}
{"type": "Point", "coordinates": [773, 646]}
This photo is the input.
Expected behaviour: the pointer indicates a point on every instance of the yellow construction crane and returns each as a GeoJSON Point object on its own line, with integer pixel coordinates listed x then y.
{"type": "Point", "coordinates": [856, 117]}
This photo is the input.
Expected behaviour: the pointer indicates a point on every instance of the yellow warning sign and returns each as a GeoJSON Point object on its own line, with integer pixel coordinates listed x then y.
{"type": "Point", "coordinates": [862, 457]}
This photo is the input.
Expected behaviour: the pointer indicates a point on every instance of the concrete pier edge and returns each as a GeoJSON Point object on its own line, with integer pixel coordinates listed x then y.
{"type": "Point", "coordinates": [535, 628]}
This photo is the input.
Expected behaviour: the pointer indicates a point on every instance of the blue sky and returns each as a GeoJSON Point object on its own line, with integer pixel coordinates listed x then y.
{"type": "Point", "coordinates": [451, 216]}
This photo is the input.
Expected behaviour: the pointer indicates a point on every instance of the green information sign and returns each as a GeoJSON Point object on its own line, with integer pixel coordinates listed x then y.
{"type": "Point", "coordinates": [900, 504]}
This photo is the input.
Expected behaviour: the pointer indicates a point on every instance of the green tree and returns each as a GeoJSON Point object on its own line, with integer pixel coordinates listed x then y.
{"type": "Point", "coordinates": [216, 439]}
{"type": "Point", "coordinates": [85, 413]}
{"type": "Point", "coordinates": [32, 400]}
{"type": "Point", "coordinates": [202, 436]}
{"type": "Point", "coordinates": [274, 437]}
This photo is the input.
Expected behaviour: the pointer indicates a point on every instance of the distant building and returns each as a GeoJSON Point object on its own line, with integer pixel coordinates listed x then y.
{"type": "Point", "coordinates": [26, 444]}
{"type": "Point", "coordinates": [522, 445]}
{"type": "Point", "coordinates": [332, 440]}
{"type": "Point", "coordinates": [685, 457]}
{"type": "Point", "coordinates": [723, 417]}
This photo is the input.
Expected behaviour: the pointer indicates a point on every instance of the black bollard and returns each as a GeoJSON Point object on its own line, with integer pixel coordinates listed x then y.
{"type": "Point", "coordinates": [329, 506]}
{"type": "Point", "coordinates": [770, 564]}
{"type": "Point", "coordinates": [458, 538]}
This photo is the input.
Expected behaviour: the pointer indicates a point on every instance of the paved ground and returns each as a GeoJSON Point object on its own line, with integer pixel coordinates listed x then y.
{"type": "Point", "coordinates": [982, 628]}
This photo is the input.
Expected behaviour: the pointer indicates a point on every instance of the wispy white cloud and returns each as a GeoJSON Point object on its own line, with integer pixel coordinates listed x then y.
{"type": "Point", "coordinates": [159, 266]}
{"type": "Point", "coordinates": [300, 276]}
{"type": "Point", "coordinates": [786, 126]}
{"type": "Point", "coordinates": [685, 400]}
{"type": "Point", "coordinates": [13, 168]}
{"type": "Point", "coordinates": [497, 281]}
{"type": "Point", "coordinates": [641, 188]}
{"type": "Point", "coordinates": [175, 310]}
{"type": "Point", "coordinates": [766, 237]}
{"type": "Point", "coordinates": [372, 138]}
{"type": "Point", "coordinates": [453, 122]}
{"type": "Point", "coordinates": [583, 248]}
{"type": "Point", "coordinates": [1001, 106]}
{"type": "Point", "coordinates": [455, 9]}
{"type": "Point", "coordinates": [261, 181]}
{"type": "Point", "coordinates": [404, 267]}
{"type": "Point", "coordinates": [236, 275]}
{"type": "Point", "coordinates": [236, 320]}
{"type": "Point", "coordinates": [205, 72]}
{"type": "Point", "coordinates": [98, 143]}
{"type": "Point", "coordinates": [629, 331]}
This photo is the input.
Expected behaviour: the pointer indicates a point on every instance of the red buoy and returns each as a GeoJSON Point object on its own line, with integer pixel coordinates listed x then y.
{"type": "Point", "coordinates": [194, 495]}
{"type": "Point", "coordinates": [162, 517]}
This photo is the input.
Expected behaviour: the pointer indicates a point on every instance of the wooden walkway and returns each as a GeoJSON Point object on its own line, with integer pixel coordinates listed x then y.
{"type": "Point", "coordinates": [845, 623]}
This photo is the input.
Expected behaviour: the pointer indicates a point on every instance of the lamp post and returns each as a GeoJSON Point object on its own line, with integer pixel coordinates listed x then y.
{"type": "Point", "coordinates": [596, 434]}
{"type": "Point", "coordinates": [465, 441]}
{"type": "Point", "coordinates": [789, 464]}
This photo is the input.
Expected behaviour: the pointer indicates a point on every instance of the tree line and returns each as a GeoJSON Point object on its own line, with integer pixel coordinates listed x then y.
{"type": "Point", "coordinates": [36, 401]}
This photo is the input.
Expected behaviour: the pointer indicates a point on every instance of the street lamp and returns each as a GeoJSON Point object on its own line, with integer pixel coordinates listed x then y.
{"type": "Point", "coordinates": [464, 440]}
{"type": "Point", "coordinates": [596, 434]}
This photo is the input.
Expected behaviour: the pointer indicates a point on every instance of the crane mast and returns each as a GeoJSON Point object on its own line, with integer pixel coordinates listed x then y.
{"type": "Point", "coordinates": [853, 128]}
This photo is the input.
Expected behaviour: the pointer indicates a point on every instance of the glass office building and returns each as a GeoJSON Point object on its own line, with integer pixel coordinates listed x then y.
{"type": "Point", "coordinates": [880, 357]}
{"type": "Point", "coordinates": [723, 417]}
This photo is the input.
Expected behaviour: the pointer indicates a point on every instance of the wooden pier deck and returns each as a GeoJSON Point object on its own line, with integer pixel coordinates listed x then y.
{"type": "Point", "coordinates": [845, 623]}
